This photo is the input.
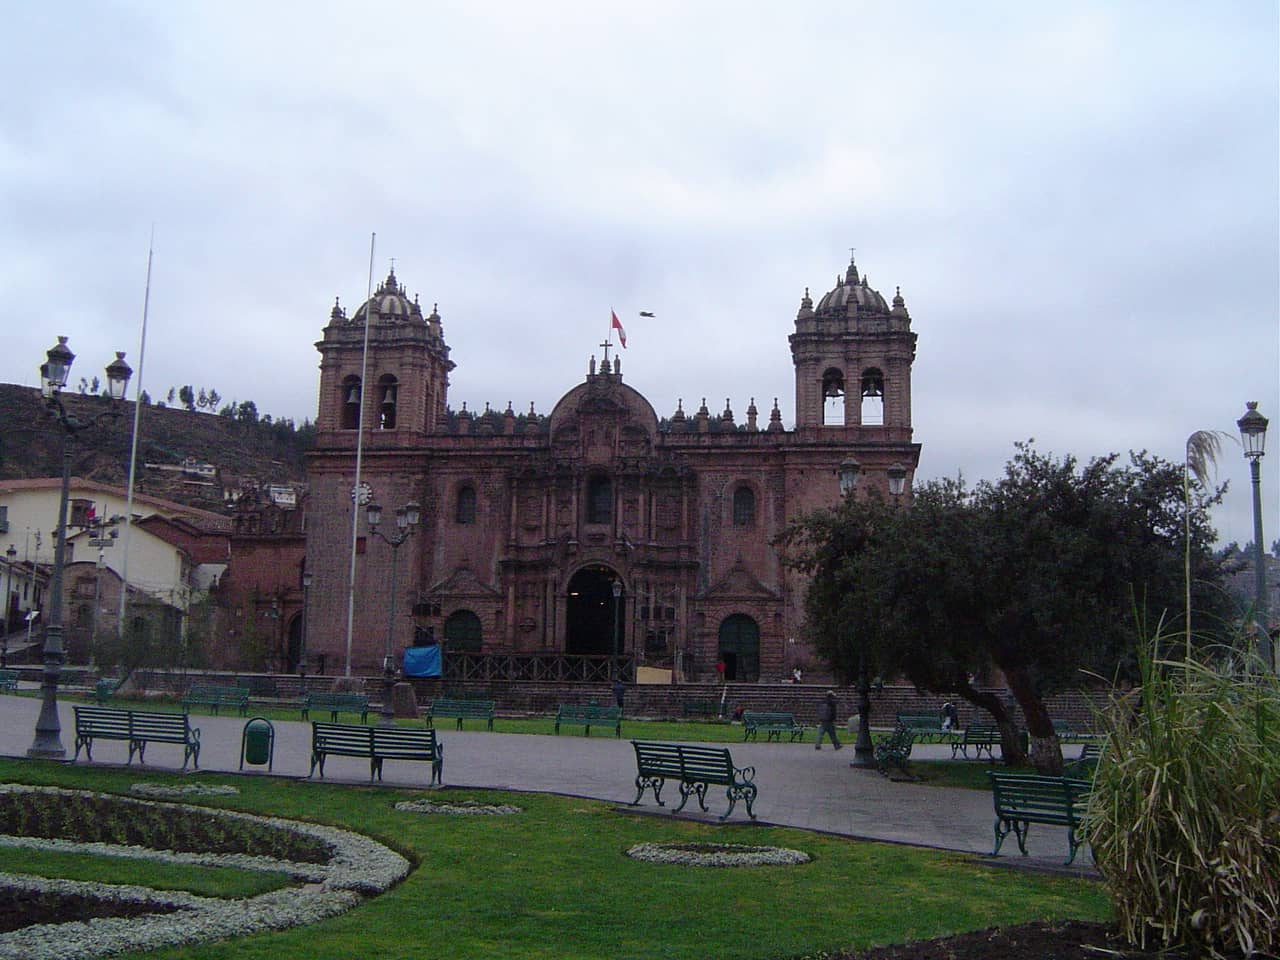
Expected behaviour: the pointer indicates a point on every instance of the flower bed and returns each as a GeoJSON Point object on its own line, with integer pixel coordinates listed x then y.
{"type": "Point", "coordinates": [717, 855]}
{"type": "Point", "coordinates": [353, 867]}
{"type": "Point", "coordinates": [460, 808]}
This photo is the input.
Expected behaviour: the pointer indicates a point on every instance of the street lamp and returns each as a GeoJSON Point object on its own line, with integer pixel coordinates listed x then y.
{"type": "Point", "coordinates": [848, 474]}
{"type": "Point", "coordinates": [617, 596]}
{"type": "Point", "coordinates": [897, 479]}
{"type": "Point", "coordinates": [11, 555]}
{"type": "Point", "coordinates": [406, 519]}
{"type": "Point", "coordinates": [53, 377]}
{"type": "Point", "coordinates": [307, 578]}
{"type": "Point", "coordinates": [1253, 436]}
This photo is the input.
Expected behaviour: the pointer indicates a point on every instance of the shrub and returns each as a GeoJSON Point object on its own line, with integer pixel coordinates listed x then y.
{"type": "Point", "coordinates": [1185, 813]}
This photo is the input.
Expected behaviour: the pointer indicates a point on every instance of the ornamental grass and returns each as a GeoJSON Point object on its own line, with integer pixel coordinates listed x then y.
{"type": "Point", "coordinates": [1185, 812]}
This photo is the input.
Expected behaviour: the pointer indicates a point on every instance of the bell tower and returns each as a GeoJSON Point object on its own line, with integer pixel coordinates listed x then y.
{"type": "Point", "coordinates": [853, 354]}
{"type": "Point", "coordinates": [403, 389]}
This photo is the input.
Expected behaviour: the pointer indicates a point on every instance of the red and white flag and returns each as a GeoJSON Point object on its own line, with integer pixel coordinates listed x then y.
{"type": "Point", "coordinates": [617, 325]}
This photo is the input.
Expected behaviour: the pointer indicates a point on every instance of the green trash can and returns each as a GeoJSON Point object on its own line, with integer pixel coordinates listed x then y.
{"type": "Point", "coordinates": [258, 743]}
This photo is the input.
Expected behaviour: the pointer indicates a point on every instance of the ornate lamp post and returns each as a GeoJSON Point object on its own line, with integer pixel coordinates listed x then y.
{"type": "Point", "coordinates": [863, 750]}
{"type": "Point", "coordinates": [1253, 436]}
{"type": "Point", "coordinates": [307, 578]}
{"type": "Point", "coordinates": [53, 377]}
{"type": "Point", "coordinates": [406, 519]}
{"type": "Point", "coordinates": [11, 554]}
{"type": "Point", "coordinates": [613, 664]}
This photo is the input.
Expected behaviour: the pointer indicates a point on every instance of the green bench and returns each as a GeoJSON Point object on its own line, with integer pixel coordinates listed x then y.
{"type": "Point", "coordinates": [137, 728]}
{"type": "Point", "coordinates": [211, 695]}
{"type": "Point", "coordinates": [981, 738]}
{"type": "Point", "coordinates": [1083, 766]}
{"type": "Point", "coordinates": [894, 750]}
{"type": "Point", "coordinates": [336, 703]}
{"type": "Point", "coordinates": [377, 744]}
{"type": "Point", "coordinates": [9, 681]}
{"type": "Point", "coordinates": [927, 727]}
{"type": "Point", "coordinates": [695, 768]}
{"type": "Point", "coordinates": [1023, 799]}
{"type": "Point", "coordinates": [1069, 734]}
{"type": "Point", "coordinates": [584, 716]}
{"type": "Point", "coordinates": [446, 708]}
{"type": "Point", "coordinates": [700, 708]}
{"type": "Point", "coordinates": [774, 725]}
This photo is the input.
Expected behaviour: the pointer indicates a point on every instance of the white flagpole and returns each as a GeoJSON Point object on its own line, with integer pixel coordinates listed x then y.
{"type": "Point", "coordinates": [133, 446]}
{"type": "Point", "coordinates": [356, 503]}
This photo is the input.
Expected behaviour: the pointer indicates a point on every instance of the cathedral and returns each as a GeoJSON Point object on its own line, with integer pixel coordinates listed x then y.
{"type": "Point", "coordinates": [600, 532]}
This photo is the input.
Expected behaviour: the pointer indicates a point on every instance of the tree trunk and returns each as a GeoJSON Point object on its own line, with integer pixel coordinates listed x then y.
{"type": "Point", "coordinates": [1046, 748]}
{"type": "Point", "coordinates": [1010, 742]}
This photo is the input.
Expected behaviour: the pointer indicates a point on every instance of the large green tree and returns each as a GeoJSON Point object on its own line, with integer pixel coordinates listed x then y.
{"type": "Point", "coordinates": [1037, 574]}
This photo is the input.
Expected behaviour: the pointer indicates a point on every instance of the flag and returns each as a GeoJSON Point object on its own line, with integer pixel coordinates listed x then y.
{"type": "Point", "coordinates": [617, 325]}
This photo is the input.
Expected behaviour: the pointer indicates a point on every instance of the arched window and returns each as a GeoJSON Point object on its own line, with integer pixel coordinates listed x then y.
{"type": "Point", "coordinates": [872, 398]}
{"type": "Point", "coordinates": [744, 507]}
{"type": "Point", "coordinates": [739, 648]}
{"type": "Point", "coordinates": [387, 390]}
{"type": "Point", "coordinates": [351, 403]}
{"type": "Point", "coordinates": [463, 632]}
{"type": "Point", "coordinates": [466, 508]}
{"type": "Point", "coordinates": [599, 500]}
{"type": "Point", "coordinates": [832, 398]}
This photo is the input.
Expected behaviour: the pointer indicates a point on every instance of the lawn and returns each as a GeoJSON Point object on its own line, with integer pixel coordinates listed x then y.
{"type": "Point", "coordinates": [553, 881]}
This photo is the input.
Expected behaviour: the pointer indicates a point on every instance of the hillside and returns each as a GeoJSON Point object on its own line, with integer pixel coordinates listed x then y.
{"type": "Point", "coordinates": [241, 453]}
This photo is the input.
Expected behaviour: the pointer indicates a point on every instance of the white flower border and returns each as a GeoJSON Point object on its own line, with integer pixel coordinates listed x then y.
{"type": "Point", "coordinates": [461, 808]}
{"type": "Point", "coordinates": [359, 866]}
{"type": "Point", "coordinates": [686, 854]}
{"type": "Point", "coordinates": [165, 791]}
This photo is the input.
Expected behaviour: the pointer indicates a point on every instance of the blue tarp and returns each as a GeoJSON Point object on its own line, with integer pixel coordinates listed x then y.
{"type": "Point", "coordinates": [422, 661]}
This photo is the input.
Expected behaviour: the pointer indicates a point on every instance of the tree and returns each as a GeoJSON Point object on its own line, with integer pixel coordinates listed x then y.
{"type": "Point", "coordinates": [202, 399]}
{"type": "Point", "coordinates": [188, 397]}
{"type": "Point", "coordinates": [214, 399]}
{"type": "Point", "coordinates": [1036, 574]}
{"type": "Point", "coordinates": [247, 412]}
{"type": "Point", "coordinates": [170, 396]}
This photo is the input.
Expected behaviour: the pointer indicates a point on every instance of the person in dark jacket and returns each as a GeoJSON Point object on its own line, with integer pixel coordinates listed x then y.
{"type": "Point", "coordinates": [827, 720]}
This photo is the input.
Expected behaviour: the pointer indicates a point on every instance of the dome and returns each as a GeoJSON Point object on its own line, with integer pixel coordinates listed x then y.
{"type": "Point", "coordinates": [389, 302]}
{"type": "Point", "coordinates": [851, 289]}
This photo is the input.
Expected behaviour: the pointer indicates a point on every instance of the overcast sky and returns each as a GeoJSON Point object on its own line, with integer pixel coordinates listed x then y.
{"type": "Point", "coordinates": [1079, 201]}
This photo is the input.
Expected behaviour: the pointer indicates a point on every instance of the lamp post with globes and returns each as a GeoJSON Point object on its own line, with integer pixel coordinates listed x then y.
{"type": "Point", "coordinates": [1253, 436]}
{"type": "Point", "coordinates": [849, 473]}
{"type": "Point", "coordinates": [53, 377]}
{"type": "Point", "coordinates": [406, 520]}
{"type": "Point", "coordinates": [307, 578]}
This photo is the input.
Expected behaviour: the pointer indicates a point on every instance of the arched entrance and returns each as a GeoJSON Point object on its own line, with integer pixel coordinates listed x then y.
{"type": "Point", "coordinates": [590, 617]}
{"type": "Point", "coordinates": [739, 648]}
{"type": "Point", "coordinates": [463, 632]}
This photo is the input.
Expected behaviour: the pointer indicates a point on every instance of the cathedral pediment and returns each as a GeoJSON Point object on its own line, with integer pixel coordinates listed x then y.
{"type": "Point", "coordinates": [463, 583]}
{"type": "Point", "coordinates": [740, 583]}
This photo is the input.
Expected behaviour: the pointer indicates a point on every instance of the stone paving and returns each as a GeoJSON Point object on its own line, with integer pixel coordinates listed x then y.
{"type": "Point", "coordinates": [798, 786]}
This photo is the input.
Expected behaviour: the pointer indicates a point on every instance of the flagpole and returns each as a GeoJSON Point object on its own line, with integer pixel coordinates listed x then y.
{"type": "Point", "coordinates": [133, 446]}
{"type": "Point", "coordinates": [355, 489]}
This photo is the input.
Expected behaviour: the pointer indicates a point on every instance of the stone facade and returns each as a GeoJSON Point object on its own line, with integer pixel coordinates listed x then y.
{"type": "Point", "coordinates": [600, 529]}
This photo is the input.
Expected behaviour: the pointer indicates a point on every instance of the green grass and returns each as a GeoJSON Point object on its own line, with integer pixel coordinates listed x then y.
{"type": "Point", "coordinates": [552, 882]}
{"type": "Point", "coordinates": [226, 883]}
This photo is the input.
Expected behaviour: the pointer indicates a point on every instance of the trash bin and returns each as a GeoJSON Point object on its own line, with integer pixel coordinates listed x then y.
{"type": "Point", "coordinates": [258, 743]}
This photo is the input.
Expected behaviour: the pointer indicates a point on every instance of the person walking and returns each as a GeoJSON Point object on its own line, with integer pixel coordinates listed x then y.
{"type": "Point", "coordinates": [827, 720]}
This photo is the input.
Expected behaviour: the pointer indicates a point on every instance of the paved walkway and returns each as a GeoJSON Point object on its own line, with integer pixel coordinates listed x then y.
{"type": "Point", "coordinates": [799, 787]}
